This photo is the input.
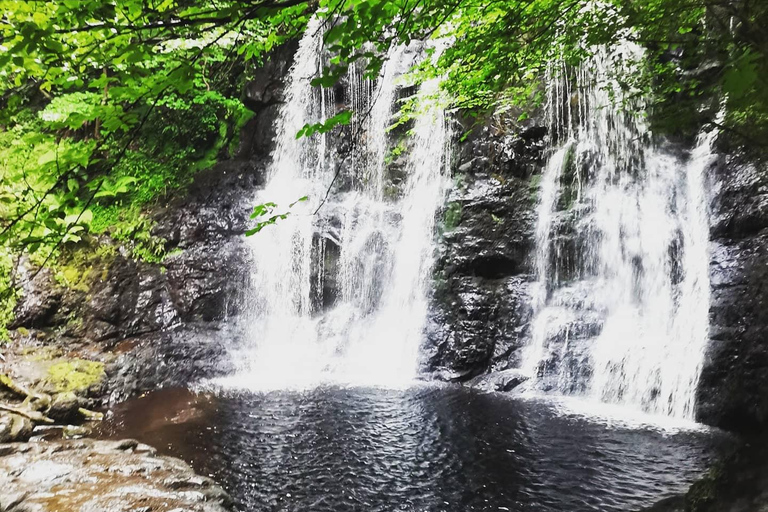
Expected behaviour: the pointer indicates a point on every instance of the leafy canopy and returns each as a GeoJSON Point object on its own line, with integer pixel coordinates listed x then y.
{"type": "Point", "coordinates": [97, 75]}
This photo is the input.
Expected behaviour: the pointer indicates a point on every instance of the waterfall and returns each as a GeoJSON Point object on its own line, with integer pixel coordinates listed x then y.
{"type": "Point", "coordinates": [622, 298]}
{"type": "Point", "coordinates": [339, 293]}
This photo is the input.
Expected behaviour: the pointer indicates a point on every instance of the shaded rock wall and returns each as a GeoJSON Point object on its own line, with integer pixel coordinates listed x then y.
{"type": "Point", "coordinates": [481, 307]}
{"type": "Point", "coordinates": [733, 392]}
{"type": "Point", "coordinates": [736, 482]}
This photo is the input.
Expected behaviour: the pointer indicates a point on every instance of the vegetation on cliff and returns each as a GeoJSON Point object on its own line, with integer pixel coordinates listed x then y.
{"type": "Point", "coordinates": [107, 106]}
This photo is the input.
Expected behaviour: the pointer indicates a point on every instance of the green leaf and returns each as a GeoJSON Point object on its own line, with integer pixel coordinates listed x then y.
{"type": "Point", "coordinates": [741, 76]}
{"type": "Point", "coordinates": [299, 200]}
{"type": "Point", "coordinates": [86, 217]}
{"type": "Point", "coordinates": [342, 118]}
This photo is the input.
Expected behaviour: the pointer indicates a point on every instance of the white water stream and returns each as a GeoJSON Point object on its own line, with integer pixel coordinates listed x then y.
{"type": "Point", "coordinates": [622, 299]}
{"type": "Point", "coordinates": [621, 302]}
{"type": "Point", "coordinates": [341, 296]}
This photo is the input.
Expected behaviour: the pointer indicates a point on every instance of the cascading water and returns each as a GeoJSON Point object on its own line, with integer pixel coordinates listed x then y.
{"type": "Point", "coordinates": [340, 296]}
{"type": "Point", "coordinates": [621, 308]}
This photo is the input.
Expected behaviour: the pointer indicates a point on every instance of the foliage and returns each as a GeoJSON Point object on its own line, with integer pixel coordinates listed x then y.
{"type": "Point", "coordinates": [265, 215]}
{"type": "Point", "coordinates": [76, 375]}
{"type": "Point", "coordinates": [97, 123]}
{"type": "Point", "coordinates": [111, 76]}
{"type": "Point", "coordinates": [452, 215]}
{"type": "Point", "coordinates": [123, 112]}
{"type": "Point", "coordinates": [7, 293]}
{"type": "Point", "coordinates": [342, 118]}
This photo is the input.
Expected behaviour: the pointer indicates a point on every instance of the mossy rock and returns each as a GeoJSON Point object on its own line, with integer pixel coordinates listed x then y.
{"type": "Point", "coordinates": [65, 407]}
{"type": "Point", "coordinates": [14, 428]}
{"type": "Point", "coordinates": [77, 376]}
{"type": "Point", "coordinates": [453, 215]}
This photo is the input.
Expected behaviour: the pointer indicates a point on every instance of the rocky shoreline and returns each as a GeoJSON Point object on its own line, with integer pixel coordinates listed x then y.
{"type": "Point", "coordinates": [88, 475]}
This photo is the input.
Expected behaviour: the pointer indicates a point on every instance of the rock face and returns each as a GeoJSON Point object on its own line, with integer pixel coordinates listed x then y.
{"type": "Point", "coordinates": [481, 308]}
{"type": "Point", "coordinates": [175, 357]}
{"type": "Point", "coordinates": [167, 324]}
{"type": "Point", "coordinates": [101, 476]}
{"type": "Point", "coordinates": [733, 392]}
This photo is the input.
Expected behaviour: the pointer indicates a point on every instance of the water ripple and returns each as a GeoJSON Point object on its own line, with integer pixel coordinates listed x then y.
{"type": "Point", "coordinates": [431, 449]}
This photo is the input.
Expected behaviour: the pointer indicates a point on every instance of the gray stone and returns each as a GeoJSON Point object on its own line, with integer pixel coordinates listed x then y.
{"type": "Point", "coordinates": [14, 427]}
{"type": "Point", "coordinates": [64, 407]}
{"type": "Point", "coordinates": [505, 380]}
{"type": "Point", "coordinates": [733, 390]}
{"type": "Point", "coordinates": [75, 431]}
{"type": "Point", "coordinates": [104, 476]}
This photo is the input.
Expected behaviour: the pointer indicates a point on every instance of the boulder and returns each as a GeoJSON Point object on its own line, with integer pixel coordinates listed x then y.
{"type": "Point", "coordinates": [39, 302]}
{"type": "Point", "coordinates": [75, 431]}
{"type": "Point", "coordinates": [65, 407]}
{"type": "Point", "coordinates": [14, 427]}
{"type": "Point", "coordinates": [505, 380]}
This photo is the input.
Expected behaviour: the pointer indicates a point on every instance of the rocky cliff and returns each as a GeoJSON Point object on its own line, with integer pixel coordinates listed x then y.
{"type": "Point", "coordinates": [159, 325]}
{"type": "Point", "coordinates": [733, 392]}
{"type": "Point", "coordinates": [482, 310]}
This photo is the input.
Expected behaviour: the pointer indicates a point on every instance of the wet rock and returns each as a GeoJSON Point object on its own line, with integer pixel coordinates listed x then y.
{"type": "Point", "coordinates": [739, 197]}
{"type": "Point", "coordinates": [40, 301]}
{"type": "Point", "coordinates": [671, 504]}
{"type": "Point", "coordinates": [75, 431]}
{"type": "Point", "coordinates": [52, 387]}
{"type": "Point", "coordinates": [733, 389]}
{"type": "Point", "coordinates": [14, 427]}
{"type": "Point", "coordinates": [267, 86]}
{"type": "Point", "coordinates": [39, 402]}
{"type": "Point", "coordinates": [736, 482]}
{"type": "Point", "coordinates": [87, 475]}
{"type": "Point", "coordinates": [259, 132]}
{"type": "Point", "coordinates": [131, 299]}
{"type": "Point", "coordinates": [264, 96]}
{"type": "Point", "coordinates": [481, 307]}
{"type": "Point", "coordinates": [65, 407]}
{"type": "Point", "coordinates": [171, 358]}
{"type": "Point", "coordinates": [505, 380]}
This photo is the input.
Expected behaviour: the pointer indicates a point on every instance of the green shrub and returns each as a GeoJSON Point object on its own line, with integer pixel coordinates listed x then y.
{"type": "Point", "coordinates": [452, 215]}
{"type": "Point", "coordinates": [8, 294]}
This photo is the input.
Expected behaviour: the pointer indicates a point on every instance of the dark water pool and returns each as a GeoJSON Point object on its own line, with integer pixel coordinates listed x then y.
{"type": "Point", "coordinates": [436, 449]}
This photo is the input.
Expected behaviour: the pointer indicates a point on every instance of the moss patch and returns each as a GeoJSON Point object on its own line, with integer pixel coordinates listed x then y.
{"type": "Point", "coordinates": [80, 266]}
{"type": "Point", "coordinates": [452, 215]}
{"type": "Point", "coordinates": [534, 184]}
{"type": "Point", "coordinates": [75, 375]}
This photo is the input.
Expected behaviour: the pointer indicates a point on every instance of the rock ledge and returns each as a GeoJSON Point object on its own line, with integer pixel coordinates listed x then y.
{"type": "Point", "coordinates": [101, 476]}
